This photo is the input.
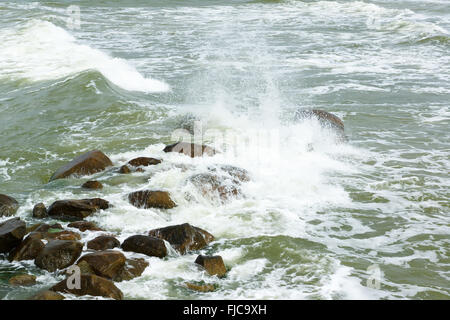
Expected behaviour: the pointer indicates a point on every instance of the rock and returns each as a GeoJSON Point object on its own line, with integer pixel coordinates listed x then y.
{"type": "Point", "coordinates": [326, 119]}
{"type": "Point", "coordinates": [8, 206]}
{"type": "Point", "coordinates": [54, 232]}
{"type": "Point", "coordinates": [212, 184]}
{"type": "Point", "coordinates": [212, 264]}
{"type": "Point", "coordinates": [28, 249]}
{"type": "Point", "coordinates": [84, 225]}
{"type": "Point", "coordinates": [234, 172]}
{"type": "Point", "coordinates": [12, 232]}
{"type": "Point", "coordinates": [149, 246]}
{"type": "Point", "coordinates": [200, 287]}
{"type": "Point", "coordinates": [33, 227]}
{"type": "Point", "coordinates": [151, 199]}
{"type": "Point", "coordinates": [144, 162]}
{"type": "Point", "coordinates": [124, 169]}
{"type": "Point", "coordinates": [183, 237]}
{"type": "Point", "coordinates": [87, 163]}
{"type": "Point", "coordinates": [40, 211]}
{"type": "Point", "coordinates": [47, 295]}
{"type": "Point", "coordinates": [190, 149]}
{"type": "Point", "coordinates": [85, 268]}
{"type": "Point", "coordinates": [23, 280]}
{"type": "Point", "coordinates": [58, 254]}
{"type": "Point", "coordinates": [106, 264]}
{"type": "Point", "coordinates": [80, 209]}
{"type": "Point", "coordinates": [91, 285]}
{"type": "Point", "coordinates": [44, 227]}
{"type": "Point", "coordinates": [103, 243]}
{"type": "Point", "coordinates": [133, 268]}
{"type": "Point", "coordinates": [95, 185]}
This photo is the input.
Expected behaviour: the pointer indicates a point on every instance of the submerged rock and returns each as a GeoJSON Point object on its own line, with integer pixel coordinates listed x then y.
{"type": "Point", "coordinates": [103, 243]}
{"type": "Point", "coordinates": [88, 163]}
{"type": "Point", "coordinates": [91, 285]}
{"type": "Point", "coordinates": [23, 280]}
{"type": "Point", "coordinates": [94, 185]}
{"type": "Point", "coordinates": [84, 225]}
{"type": "Point", "coordinates": [212, 264]}
{"type": "Point", "coordinates": [210, 184]}
{"type": "Point", "coordinates": [124, 169]}
{"type": "Point", "coordinates": [108, 263]}
{"type": "Point", "coordinates": [58, 254]}
{"type": "Point", "coordinates": [326, 119]}
{"type": "Point", "coordinates": [183, 237]}
{"type": "Point", "coordinates": [144, 162]}
{"type": "Point", "coordinates": [147, 245]}
{"type": "Point", "coordinates": [40, 211]}
{"type": "Point", "coordinates": [190, 149]}
{"type": "Point", "coordinates": [151, 199]}
{"type": "Point", "coordinates": [47, 295]}
{"type": "Point", "coordinates": [8, 206]}
{"type": "Point", "coordinates": [79, 209]}
{"type": "Point", "coordinates": [12, 232]}
{"type": "Point", "coordinates": [28, 249]}
{"type": "Point", "coordinates": [200, 287]}
{"type": "Point", "coordinates": [237, 173]}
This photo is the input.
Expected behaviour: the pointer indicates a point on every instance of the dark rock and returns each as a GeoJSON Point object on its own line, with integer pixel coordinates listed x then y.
{"type": "Point", "coordinates": [84, 225]}
{"type": "Point", "coordinates": [79, 209]}
{"type": "Point", "coordinates": [183, 237]}
{"type": "Point", "coordinates": [54, 232]}
{"type": "Point", "coordinates": [8, 206]}
{"type": "Point", "coordinates": [95, 185]}
{"type": "Point", "coordinates": [28, 249]}
{"type": "Point", "coordinates": [85, 268]}
{"type": "Point", "coordinates": [124, 169]}
{"type": "Point", "coordinates": [58, 254]}
{"type": "Point", "coordinates": [151, 199]}
{"type": "Point", "coordinates": [212, 264]}
{"type": "Point", "coordinates": [33, 227]}
{"type": "Point", "coordinates": [149, 246]}
{"type": "Point", "coordinates": [91, 285]}
{"type": "Point", "coordinates": [212, 184]}
{"type": "Point", "coordinates": [44, 227]}
{"type": "Point", "coordinates": [103, 243]}
{"type": "Point", "coordinates": [133, 268]}
{"type": "Point", "coordinates": [144, 162]}
{"type": "Point", "coordinates": [190, 149]}
{"type": "Point", "coordinates": [200, 287]}
{"type": "Point", "coordinates": [12, 232]}
{"type": "Point", "coordinates": [47, 295]}
{"type": "Point", "coordinates": [88, 163]}
{"type": "Point", "coordinates": [40, 211]}
{"type": "Point", "coordinates": [106, 264]}
{"type": "Point", "coordinates": [326, 119]}
{"type": "Point", "coordinates": [23, 280]}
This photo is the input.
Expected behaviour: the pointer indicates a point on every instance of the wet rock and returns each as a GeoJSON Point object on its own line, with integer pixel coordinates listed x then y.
{"type": "Point", "coordinates": [12, 232]}
{"type": "Point", "coordinates": [183, 237]}
{"type": "Point", "coordinates": [212, 184]}
{"type": "Point", "coordinates": [84, 225]}
{"type": "Point", "coordinates": [200, 287]}
{"type": "Point", "coordinates": [85, 164]}
{"type": "Point", "coordinates": [149, 246]}
{"type": "Point", "coordinates": [326, 119]}
{"type": "Point", "coordinates": [190, 149]}
{"type": "Point", "coordinates": [40, 211]}
{"type": "Point", "coordinates": [103, 243]}
{"type": "Point", "coordinates": [28, 249]}
{"type": "Point", "coordinates": [44, 227]}
{"type": "Point", "coordinates": [23, 280]}
{"type": "Point", "coordinates": [151, 199]}
{"type": "Point", "coordinates": [91, 285]}
{"type": "Point", "coordinates": [133, 268]}
{"type": "Point", "coordinates": [58, 254]}
{"type": "Point", "coordinates": [8, 206]}
{"type": "Point", "coordinates": [237, 173]}
{"type": "Point", "coordinates": [94, 185]}
{"type": "Point", "coordinates": [106, 264]}
{"type": "Point", "coordinates": [85, 268]}
{"type": "Point", "coordinates": [47, 295]}
{"type": "Point", "coordinates": [144, 162]}
{"type": "Point", "coordinates": [212, 264]}
{"type": "Point", "coordinates": [54, 232]}
{"type": "Point", "coordinates": [33, 227]}
{"type": "Point", "coordinates": [124, 169]}
{"type": "Point", "coordinates": [78, 209]}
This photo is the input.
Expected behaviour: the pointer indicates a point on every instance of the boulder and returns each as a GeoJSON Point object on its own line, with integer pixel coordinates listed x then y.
{"type": "Point", "coordinates": [326, 119]}
{"type": "Point", "coordinates": [183, 237]}
{"type": "Point", "coordinates": [28, 249]}
{"type": "Point", "coordinates": [200, 287]}
{"type": "Point", "coordinates": [212, 264]}
{"type": "Point", "coordinates": [151, 199]}
{"type": "Point", "coordinates": [47, 295]}
{"type": "Point", "coordinates": [87, 163]}
{"type": "Point", "coordinates": [84, 225]}
{"type": "Point", "coordinates": [23, 280]}
{"type": "Point", "coordinates": [54, 232]}
{"type": "Point", "coordinates": [94, 185]}
{"type": "Point", "coordinates": [40, 211]}
{"type": "Point", "coordinates": [190, 149]}
{"type": "Point", "coordinates": [211, 184]}
{"type": "Point", "coordinates": [78, 209]}
{"type": "Point", "coordinates": [8, 206]}
{"type": "Point", "coordinates": [58, 254]}
{"type": "Point", "coordinates": [91, 285]}
{"type": "Point", "coordinates": [147, 245]}
{"type": "Point", "coordinates": [237, 173]}
{"type": "Point", "coordinates": [106, 264]}
{"type": "Point", "coordinates": [124, 169]}
{"type": "Point", "coordinates": [12, 232]}
{"type": "Point", "coordinates": [103, 243]}
{"type": "Point", "coordinates": [133, 268]}
{"type": "Point", "coordinates": [144, 162]}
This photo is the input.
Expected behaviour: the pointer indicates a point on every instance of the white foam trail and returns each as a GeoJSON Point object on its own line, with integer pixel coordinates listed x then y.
{"type": "Point", "coordinates": [40, 50]}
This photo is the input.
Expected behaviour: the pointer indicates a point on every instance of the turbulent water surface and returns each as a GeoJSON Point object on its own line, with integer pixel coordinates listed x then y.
{"type": "Point", "coordinates": [317, 218]}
